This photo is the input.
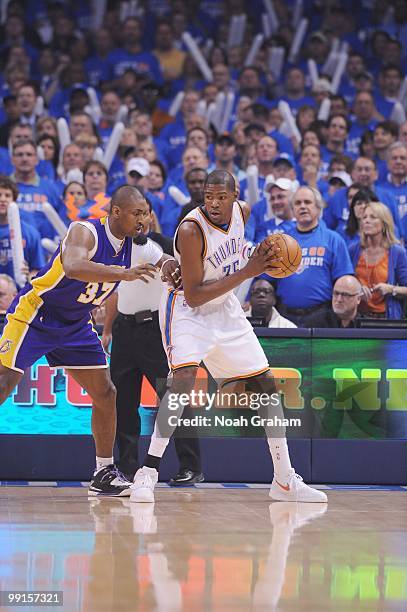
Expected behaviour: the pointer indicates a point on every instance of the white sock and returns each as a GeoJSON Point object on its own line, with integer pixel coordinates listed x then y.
{"type": "Point", "coordinates": [281, 459]}
{"type": "Point", "coordinates": [102, 462]}
{"type": "Point", "coordinates": [157, 444]}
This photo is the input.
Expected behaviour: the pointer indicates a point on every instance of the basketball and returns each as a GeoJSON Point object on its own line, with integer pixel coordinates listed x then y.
{"type": "Point", "coordinates": [290, 253]}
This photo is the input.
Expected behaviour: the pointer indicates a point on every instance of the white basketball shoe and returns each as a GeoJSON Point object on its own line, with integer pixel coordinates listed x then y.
{"type": "Point", "coordinates": [142, 489]}
{"type": "Point", "coordinates": [295, 489]}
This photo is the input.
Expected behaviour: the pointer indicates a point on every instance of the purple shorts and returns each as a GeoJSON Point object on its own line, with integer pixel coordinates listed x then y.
{"type": "Point", "coordinates": [65, 344]}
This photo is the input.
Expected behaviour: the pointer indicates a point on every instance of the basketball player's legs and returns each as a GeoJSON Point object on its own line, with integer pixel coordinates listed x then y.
{"type": "Point", "coordinates": [182, 383]}
{"type": "Point", "coordinates": [81, 354]}
{"type": "Point", "coordinates": [98, 384]}
{"type": "Point", "coordinates": [187, 340]}
{"type": "Point", "coordinates": [240, 357]}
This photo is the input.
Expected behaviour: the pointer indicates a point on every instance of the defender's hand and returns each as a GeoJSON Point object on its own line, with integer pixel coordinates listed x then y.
{"type": "Point", "coordinates": [143, 272]}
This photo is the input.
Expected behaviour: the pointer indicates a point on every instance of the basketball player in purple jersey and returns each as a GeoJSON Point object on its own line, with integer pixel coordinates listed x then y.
{"type": "Point", "coordinates": [51, 316]}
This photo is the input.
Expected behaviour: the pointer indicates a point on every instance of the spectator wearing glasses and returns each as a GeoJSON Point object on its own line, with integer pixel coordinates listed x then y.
{"type": "Point", "coordinates": [346, 296]}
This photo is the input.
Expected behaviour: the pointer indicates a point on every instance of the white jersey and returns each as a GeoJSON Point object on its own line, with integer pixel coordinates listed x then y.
{"type": "Point", "coordinates": [217, 332]}
{"type": "Point", "coordinates": [222, 247]}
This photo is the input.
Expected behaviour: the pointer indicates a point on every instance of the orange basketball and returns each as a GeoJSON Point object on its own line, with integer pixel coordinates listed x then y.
{"type": "Point", "coordinates": [290, 253]}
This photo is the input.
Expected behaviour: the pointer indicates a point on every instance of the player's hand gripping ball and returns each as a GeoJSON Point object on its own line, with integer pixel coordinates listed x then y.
{"type": "Point", "coordinates": [285, 255]}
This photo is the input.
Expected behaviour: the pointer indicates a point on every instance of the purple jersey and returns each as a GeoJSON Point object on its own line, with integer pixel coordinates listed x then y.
{"type": "Point", "coordinates": [69, 299]}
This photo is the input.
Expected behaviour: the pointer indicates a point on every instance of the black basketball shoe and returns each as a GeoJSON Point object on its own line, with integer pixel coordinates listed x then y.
{"type": "Point", "coordinates": [109, 482]}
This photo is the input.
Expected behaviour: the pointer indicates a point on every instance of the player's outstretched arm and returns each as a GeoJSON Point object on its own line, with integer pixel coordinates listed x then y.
{"type": "Point", "coordinates": [75, 260]}
{"type": "Point", "coordinates": [197, 293]}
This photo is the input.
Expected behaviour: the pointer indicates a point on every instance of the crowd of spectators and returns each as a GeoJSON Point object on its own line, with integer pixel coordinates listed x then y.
{"type": "Point", "coordinates": [336, 180]}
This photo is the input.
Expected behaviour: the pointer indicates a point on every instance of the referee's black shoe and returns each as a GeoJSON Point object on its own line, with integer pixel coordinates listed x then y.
{"type": "Point", "coordinates": [109, 482]}
{"type": "Point", "coordinates": [186, 478]}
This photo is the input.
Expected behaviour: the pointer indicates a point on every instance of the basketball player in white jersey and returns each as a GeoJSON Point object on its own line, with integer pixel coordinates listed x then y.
{"type": "Point", "coordinates": [205, 322]}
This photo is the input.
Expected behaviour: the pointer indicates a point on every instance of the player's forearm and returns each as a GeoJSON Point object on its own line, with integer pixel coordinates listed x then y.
{"type": "Point", "coordinates": [110, 313]}
{"type": "Point", "coordinates": [203, 293]}
{"type": "Point", "coordinates": [90, 271]}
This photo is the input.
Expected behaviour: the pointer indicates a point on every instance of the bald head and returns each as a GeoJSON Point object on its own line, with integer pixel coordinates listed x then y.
{"type": "Point", "coordinates": [125, 194]}
{"type": "Point", "coordinates": [346, 297]}
{"type": "Point", "coordinates": [348, 283]}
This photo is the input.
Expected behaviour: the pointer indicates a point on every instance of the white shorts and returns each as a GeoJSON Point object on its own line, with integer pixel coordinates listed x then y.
{"type": "Point", "coordinates": [217, 334]}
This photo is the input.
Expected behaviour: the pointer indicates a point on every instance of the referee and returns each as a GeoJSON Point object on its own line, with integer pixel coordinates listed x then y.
{"type": "Point", "coordinates": [131, 324]}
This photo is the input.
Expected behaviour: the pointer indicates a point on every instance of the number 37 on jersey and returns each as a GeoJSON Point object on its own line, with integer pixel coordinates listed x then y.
{"type": "Point", "coordinates": [96, 293]}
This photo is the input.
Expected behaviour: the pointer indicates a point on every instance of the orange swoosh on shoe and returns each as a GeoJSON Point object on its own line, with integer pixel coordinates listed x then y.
{"type": "Point", "coordinates": [284, 487]}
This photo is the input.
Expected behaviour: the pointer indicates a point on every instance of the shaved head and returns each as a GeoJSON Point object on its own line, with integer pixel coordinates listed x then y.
{"type": "Point", "coordinates": [221, 177]}
{"type": "Point", "coordinates": [348, 283]}
{"type": "Point", "coordinates": [346, 297]}
{"type": "Point", "coordinates": [124, 194]}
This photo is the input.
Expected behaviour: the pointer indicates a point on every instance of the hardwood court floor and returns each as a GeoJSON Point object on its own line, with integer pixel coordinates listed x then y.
{"type": "Point", "coordinates": [206, 549]}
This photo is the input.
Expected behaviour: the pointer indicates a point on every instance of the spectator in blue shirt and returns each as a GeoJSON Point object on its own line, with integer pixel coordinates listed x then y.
{"type": "Point", "coordinates": [390, 79]}
{"type": "Point", "coordinates": [266, 153]}
{"type": "Point", "coordinates": [50, 150]}
{"type": "Point", "coordinates": [354, 66]}
{"type": "Point", "coordinates": [225, 153]}
{"type": "Point", "coordinates": [310, 168]}
{"type": "Point", "coordinates": [131, 55]}
{"type": "Point", "coordinates": [260, 114]}
{"type": "Point", "coordinates": [295, 93]}
{"type": "Point", "coordinates": [385, 133]}
{"type": "Point", "coordinates": [81, 123]}
{"type": "Point", "coordinates": [325, 258]}
{"type": "Point", "coordinates": [34, 191]}
{"type": "Point", "coordinates": [175, 134]}
{"type": "Point", "coordinates": [11, 118]}
{"type": "Point", "coordinates": [365, 118]}
{"type": "Point", "coordinates": [339, 105]}
{"type": "Point", "coordinates": [192, 158]}
{"type": "Point", "coordinates": [306, 116]}
{"type": "Point", "coordinates": [21, 133]}
{"type": "Point", "coordinates": [317, 48]}
{"type": "Point", "coordinates": [284, 167]}
{"type": "Point", "coordinates": [338, 128]}
{"type": "Point", "coordinates": [365, 172]}
{"type": "Point", "coordinates": [110, 106]}
{"type": "Point", "coordinates": [33, 252]}
{"type": "Point", "coordinates": [95, 179]}
{"type": "Point", "coordinates": [96, 65]}
{"type": "Point", "coordinates": [358, 197]}
{"type": "Point", "coordinates": [26, 101]}
{"type": "Point", "coordinates": [396, 180]}
{"type": "Point", "coordinates": [273, 214]}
